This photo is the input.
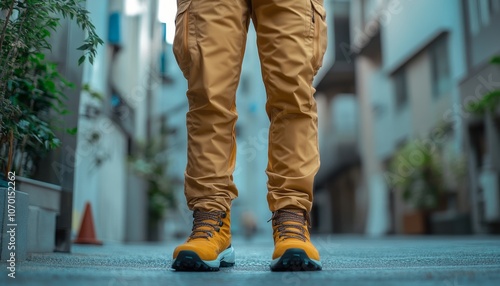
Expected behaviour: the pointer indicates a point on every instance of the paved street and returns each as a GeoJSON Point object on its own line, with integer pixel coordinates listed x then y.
{"type": "Point", "coordinates": [346, 261]}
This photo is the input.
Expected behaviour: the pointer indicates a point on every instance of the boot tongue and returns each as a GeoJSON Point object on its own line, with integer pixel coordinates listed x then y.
{"type": "Point", "coordinates": [204, 224]}
{"type": "Point", "coordinates": [287, 218]}
{"type": "Point", "coordinates": [297, 216]}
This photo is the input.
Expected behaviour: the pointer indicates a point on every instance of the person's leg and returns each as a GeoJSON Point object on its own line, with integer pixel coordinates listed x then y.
{"type": "Point", "coordinates": [209, 45]}
{"type": "Point", "coordinates": [209, 49]}
{"type": "Point", "coordinates": [291, 37]}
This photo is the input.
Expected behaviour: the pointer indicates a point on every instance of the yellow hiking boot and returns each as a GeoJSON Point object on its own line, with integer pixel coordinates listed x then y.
{"type": "Point", "coordinates": [293, 250]}
{"type": "Point", "coordinates": [209, 245]}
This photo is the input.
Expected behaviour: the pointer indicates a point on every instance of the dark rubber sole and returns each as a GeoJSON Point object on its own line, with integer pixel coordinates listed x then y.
{"type": "Point", "coordinates": [295, 259]}
{"type": "Point", "coordinates": [190, 261]}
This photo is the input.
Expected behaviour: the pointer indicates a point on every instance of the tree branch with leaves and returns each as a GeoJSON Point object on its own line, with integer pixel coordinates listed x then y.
{"type": "Point", "coordinates": [31, 87]}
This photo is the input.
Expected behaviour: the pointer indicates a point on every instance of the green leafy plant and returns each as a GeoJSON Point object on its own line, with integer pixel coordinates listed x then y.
{"type": "Point", "coordinates": [417, 172]}
{"type": "Point", "coordinates": [151, 164]}
{"type": "Point", "coordinates": [490, 101]}
{"type": "Point", "coordinates": [495, 60]}
{"type": "Point", "coordinates": [37, 94]}
{"type": "Point", "coordinates": [32, 91]}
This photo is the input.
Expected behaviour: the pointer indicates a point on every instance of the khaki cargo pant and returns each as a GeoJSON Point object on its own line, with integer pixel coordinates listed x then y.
{"type": "Point", "coordinates": [209, 44]}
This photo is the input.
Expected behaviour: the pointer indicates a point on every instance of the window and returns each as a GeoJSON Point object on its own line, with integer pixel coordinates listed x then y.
{"type": "Point", "coordinates": [481, 12]}
{"type": "Point", "coordinates": [400, 87]}
{"type": "Point", "coordinates": [440, 67]}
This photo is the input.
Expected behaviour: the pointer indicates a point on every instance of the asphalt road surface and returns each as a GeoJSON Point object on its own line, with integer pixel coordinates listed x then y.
{"type": "Point", "coordinates": [446, 261]}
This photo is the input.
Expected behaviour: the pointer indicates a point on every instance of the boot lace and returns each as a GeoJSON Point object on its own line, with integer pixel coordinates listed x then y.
{"type": "Point", "coordinates": [290, 224]}
{"type": "Point", "coordinates": [203, 219]}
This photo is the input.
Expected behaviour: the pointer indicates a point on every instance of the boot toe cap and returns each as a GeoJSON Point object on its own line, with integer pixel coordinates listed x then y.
{"type": "Point", "coordinates": [307, 246]}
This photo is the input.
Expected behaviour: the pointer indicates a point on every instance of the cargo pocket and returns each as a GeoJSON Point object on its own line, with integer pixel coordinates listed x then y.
{"type": "Point", "coordinates": [181, 39]}
{"type": "Point", "coordinates": [319, 35]}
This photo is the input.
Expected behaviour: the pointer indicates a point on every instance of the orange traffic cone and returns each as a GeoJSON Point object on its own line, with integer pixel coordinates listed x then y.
{"type": "Point", "coordinates": [86, 235]}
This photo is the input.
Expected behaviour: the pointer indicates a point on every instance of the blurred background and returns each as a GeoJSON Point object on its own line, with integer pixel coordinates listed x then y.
{"type": "Point", "coordinates": [409, 123]}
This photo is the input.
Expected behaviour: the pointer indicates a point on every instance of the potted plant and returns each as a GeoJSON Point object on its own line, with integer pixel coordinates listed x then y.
{"type": "Point", "coordinates": [418, 176]}
{"type": "Point", "coordinates": [32, 91]}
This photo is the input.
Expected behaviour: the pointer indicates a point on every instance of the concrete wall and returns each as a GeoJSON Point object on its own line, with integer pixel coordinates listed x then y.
{"type": "Point", "coordinates": [21, 231]}
{"type": "Point", "coordinates": [426, 110]}
{"type": "Point", "coordinates": [407, 33]}
{"type": "Point", "coordinates": [106, 186]}
{"type": "Point", "coordinates": [407, 30]}
{"type": "Point", "coordinates": [373, 183]}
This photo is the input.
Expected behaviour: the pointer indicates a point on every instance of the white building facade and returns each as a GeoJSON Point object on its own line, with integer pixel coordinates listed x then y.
{"type": "Point", "coordinates": [410, 57]}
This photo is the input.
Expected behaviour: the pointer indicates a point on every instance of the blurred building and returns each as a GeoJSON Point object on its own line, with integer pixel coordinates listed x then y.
{"type": "Point", "coordinates": [407, 75]}
{"type": "Point", "coordinates": [126, 73]}
{"type": "Point", "coordinates": [117, 106]}
{"type": "Point", "coordinates": [482, 135]}
{"type": "Point", "coordinates": [339, 201]}
{"type": "Point", "coordinates": [400, 72]}
{"type": "Point", "coordinates": [388, 76]}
